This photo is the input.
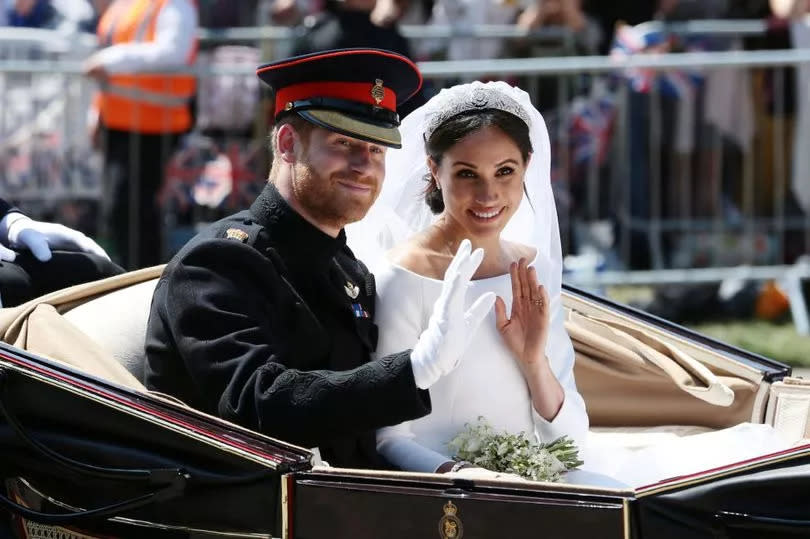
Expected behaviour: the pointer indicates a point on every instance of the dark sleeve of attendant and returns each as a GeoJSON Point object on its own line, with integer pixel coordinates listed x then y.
{"type": "Point", "coordinates": [5, 208]}
{"type": "Point", "coordinates": [222, 310]}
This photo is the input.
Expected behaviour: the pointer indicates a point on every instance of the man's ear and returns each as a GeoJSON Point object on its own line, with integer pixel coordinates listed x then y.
{"type": "Point", "coordinates": [287, 141]}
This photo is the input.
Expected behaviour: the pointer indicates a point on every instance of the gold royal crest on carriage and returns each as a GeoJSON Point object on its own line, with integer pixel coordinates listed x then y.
{"type": "Point", "coordinates": [450, 526]}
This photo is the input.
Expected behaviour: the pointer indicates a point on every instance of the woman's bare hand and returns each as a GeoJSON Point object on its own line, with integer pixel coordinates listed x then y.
{"type": "Point", "coordinates": [525, 331]}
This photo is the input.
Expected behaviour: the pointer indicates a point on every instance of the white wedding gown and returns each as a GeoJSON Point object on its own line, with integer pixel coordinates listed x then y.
{"type": "Point", "coordinates": [488, 383]}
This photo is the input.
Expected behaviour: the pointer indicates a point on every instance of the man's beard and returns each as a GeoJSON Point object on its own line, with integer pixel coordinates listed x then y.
{"type": "Point", "coordinates": [326, 202]}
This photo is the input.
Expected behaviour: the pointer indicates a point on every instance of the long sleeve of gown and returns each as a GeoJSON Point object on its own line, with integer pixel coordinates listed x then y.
{"type": "Point", "coordinates": [400, 316]}
{"type": "Point", "coordinates": [572, 418]}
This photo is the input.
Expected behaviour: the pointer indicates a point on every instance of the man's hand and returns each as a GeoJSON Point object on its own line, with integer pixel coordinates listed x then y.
{"type": "Point", "coordinates": [450, 328]}
{"type": "Point", "coordinates": [39, 238]}
{"type": "Point", "coordinates": [789, 9]}
{"type": "Point", "coordinates": [285, 11]}
{"type": "Point", "coordinates": [567, 13]}
{"type": "Point", "coordinates": [385, 13]}
{"type": "Point", "coordinates": [94, 69]}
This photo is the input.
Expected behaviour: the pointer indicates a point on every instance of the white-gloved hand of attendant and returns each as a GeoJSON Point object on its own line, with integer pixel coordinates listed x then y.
{"type": "Point", "coordinates": [450, 328]}
{"type": "Point", "coordinates": [21, 232]}
{"type": "Point", "coordinates": [6, 254]}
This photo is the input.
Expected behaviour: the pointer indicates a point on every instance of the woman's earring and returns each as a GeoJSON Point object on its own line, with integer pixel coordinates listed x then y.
{"type": "Point", "coordinates": [438, 186]}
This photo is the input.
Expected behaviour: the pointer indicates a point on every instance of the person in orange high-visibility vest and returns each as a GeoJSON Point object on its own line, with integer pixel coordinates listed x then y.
{"type": "Point", "coordinates": [139, 113]}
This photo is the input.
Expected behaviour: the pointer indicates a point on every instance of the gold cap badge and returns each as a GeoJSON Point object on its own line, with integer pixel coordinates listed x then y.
{"type": "Point", "coordinates": [236, 234]}
{"type": "Point", "coordinates": [377, 91]}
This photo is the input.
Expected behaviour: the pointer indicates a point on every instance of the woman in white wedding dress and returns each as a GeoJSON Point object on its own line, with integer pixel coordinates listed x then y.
{"type": "Point", "coordinates": [483, 140]}
{"type": "Point", "coordinates": [475, 164]}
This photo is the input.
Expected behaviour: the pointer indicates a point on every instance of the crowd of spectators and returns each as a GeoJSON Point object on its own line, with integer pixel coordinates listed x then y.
{"type": "Point", "coordinates": [703, 117]}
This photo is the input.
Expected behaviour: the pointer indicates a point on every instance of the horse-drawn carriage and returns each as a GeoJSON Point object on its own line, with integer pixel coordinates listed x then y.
{"type": "Point", "coordinates": [88, 452]}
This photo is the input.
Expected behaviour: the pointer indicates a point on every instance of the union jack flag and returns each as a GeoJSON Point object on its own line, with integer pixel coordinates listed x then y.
{"type": "Point", "coordinates": [587, 124]}
{"type": "Point", "coordinates": [649, 38]}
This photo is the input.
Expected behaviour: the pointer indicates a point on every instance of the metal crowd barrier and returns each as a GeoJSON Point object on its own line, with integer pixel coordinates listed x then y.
{"type": "Point", "coordinates": [714, 27]}
{"type": "Point", "coordinates": [636, 203]}
{"type": "Point", "coordinates": [43, 112]}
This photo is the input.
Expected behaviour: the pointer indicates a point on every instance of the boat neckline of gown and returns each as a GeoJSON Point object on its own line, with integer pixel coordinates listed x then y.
{"type": "Point", "coordinates": [482, 280]}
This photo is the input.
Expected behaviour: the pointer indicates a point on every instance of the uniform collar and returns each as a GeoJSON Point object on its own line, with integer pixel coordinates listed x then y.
{"type": "Point", "coordinates": [290, 233]}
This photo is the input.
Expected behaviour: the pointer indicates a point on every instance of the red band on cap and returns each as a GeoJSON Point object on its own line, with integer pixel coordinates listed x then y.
{"type": "Point", "coordinates": [360, 92]}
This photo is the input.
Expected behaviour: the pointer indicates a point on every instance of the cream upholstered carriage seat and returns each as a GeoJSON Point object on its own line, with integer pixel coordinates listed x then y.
{"type": "Point", "coordinates": [96, 327]}
{"type": "Point", "coordinates": [639, 388]}
{"type": "Point", "coordinates": [117, 322]}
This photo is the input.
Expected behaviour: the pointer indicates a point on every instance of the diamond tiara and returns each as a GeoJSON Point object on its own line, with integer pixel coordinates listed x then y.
{"type": "Point", "coordinates": [475, 98]}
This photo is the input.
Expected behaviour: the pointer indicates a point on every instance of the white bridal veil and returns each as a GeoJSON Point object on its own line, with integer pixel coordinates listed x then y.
{"type": "Point", "coordinates": [400, 211]}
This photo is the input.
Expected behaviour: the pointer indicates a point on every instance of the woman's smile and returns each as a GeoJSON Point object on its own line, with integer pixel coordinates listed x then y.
{"type": "Point", "coordinates": [486, 215]}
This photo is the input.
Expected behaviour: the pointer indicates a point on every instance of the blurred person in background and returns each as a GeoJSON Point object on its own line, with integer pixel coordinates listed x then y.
{"type": "Point", "coordinates": [30, 13]}
{"type": "Point", "coordinates": [63, 15]}
{"type": "Point", "coordinates": [582, 37]}
{"type": "Point", "coordinates": [138, 116]}
{"type": "Point", "coordinates": [229, 13]}
{"type": "Point", "coordinates": [76, 15]}
{"type": "Point", "coordinates": [528, 14]}
{"type": "Point", "coordinates": [29, 264]}
{"type": "Point", "coordinates": [227, 105]}
{"type": "Point", "coordinates": [607, 14]}
{"type": "Point", "coordinates": [97, 8]}
{"type": "Point", "coordinates": [345, 24]}
{"type": "Point", "coordinates": [468, 13]}
{"type": "Point", "coordinates": [568, 14]}
{"type": "Point", "coordinates": [293, 12]}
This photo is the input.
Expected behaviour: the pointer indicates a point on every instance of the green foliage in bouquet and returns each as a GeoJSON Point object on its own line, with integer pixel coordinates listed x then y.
{"type": "Point", "coordinates": [480, 445]}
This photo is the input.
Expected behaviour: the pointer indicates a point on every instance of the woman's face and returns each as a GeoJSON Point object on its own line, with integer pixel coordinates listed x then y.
{"type": "Point", "coordinates": [481, 178]}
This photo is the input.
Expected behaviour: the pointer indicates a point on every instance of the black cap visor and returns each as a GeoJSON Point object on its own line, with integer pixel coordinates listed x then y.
{"type": "Point", "coordinates": [339, 122]}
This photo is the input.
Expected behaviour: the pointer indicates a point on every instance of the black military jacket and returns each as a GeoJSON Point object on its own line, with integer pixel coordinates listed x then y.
{"type": "Point", "coordinates": [265, 320]}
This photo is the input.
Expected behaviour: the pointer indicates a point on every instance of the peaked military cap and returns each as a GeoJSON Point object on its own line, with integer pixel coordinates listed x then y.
{"type": "Point", "coordinates": [350, 91]}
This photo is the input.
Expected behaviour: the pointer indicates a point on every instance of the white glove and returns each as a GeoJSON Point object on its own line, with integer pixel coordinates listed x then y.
{"type": "Point", "coordinates": [450, 328]}
{"type": "Point", "coordinates": [6, 254]}
{"type": "Point", "coordinates": [21, 232]}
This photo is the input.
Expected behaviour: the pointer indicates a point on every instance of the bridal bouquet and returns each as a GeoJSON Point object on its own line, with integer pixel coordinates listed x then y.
{"type": "Point", "coordinates": [481, 446]}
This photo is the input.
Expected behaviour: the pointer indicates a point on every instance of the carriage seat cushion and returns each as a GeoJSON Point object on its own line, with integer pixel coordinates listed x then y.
{"type": "Point", "coordinates": [117, 322]}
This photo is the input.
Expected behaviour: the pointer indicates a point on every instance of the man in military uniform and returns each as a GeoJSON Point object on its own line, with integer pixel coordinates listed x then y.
{"type": "Point", "coordinates": [266, 317]}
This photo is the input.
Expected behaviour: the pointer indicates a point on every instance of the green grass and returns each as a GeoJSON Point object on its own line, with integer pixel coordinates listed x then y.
{"type": "Point", "coordinates": [778, 341]}
{"type": "Point", "coordinates": [772, 340]}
